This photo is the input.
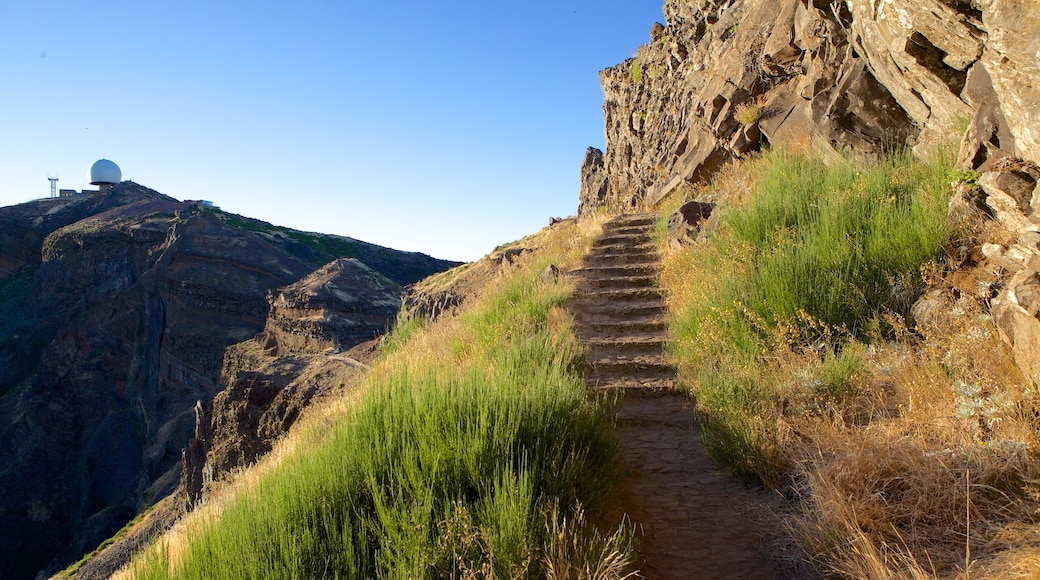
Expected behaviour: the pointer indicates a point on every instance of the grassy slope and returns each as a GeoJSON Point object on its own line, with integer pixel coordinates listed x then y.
{"type": "Point", "coordinates": [911, 448]}
{"type": "Point", "coordinates": [469, 450]}
{"type": "Point", "coordinates": [791, 327]}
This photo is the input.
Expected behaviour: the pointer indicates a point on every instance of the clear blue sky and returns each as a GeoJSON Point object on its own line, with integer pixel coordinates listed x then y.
{"type": "Point", "coordinates": [444, 127]}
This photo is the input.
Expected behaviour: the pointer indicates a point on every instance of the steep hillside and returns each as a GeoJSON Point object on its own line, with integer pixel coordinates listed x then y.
{"type": "Point", "coordinates": [858, 327]}
{"type": "Point", "coordinates": [855, 310]}
{"type": "Point", "coordinates": [471, 450]}
{"type": "Point", "coordinates": [115, 311]}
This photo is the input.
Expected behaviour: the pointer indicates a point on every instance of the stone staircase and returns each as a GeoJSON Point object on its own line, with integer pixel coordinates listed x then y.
{"type": "Point", "coordinates": [694, 520]}
{"type": "Point", "coordinates": [619, 311]}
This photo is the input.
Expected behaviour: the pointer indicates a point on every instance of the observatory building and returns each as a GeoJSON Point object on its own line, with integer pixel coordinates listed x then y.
{"type": "Point", "coordinates": [103, 173]}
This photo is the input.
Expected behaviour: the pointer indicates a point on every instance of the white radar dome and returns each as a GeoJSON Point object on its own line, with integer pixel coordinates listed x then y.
{"type": "Point", "coordinates": [104, 171]}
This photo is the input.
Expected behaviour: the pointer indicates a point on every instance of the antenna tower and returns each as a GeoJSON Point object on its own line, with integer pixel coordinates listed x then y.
{"type": "Point", "coordinates": [54, 186]}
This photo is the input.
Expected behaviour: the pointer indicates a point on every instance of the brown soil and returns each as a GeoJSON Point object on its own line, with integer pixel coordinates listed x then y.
{"type": "Point", "coordinates": [696, 521]}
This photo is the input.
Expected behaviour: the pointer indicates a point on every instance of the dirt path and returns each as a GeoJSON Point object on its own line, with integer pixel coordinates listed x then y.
{"type": "Point", "coordinates": [697, 522]}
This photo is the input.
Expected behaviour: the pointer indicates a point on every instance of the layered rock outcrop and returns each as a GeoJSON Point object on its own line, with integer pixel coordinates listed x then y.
{"type": "Point", "coordinates": [860, 76]}
{"type": "Point", "coordinates": [306, 351]}
{"type": "Point", "coordinates": [115, 312]}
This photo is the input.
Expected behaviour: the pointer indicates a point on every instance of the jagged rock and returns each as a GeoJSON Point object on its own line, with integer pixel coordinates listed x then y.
{"type": "Point", "coordinates": [343, 304]}
{"type": "Point", "coordinates": [509, 255]}
{"type": "Point", "coordinates": [686, 223]}
{"type": "Point", "coordinates": [1006, 196]}
{"type": "Point", "coordinates": [988, 137]}
{"type": "Point", "coordinates": [1009, 189]}
{"type": "Point", "coordinates": [594, 184]}
{"type": "Point", "coordinates": [968, 204]}
{"type": "Point", "coordinates": [1015, 314]}
{"type": "Point", "coordinates": [297, 358]}
{"type": "Point", "coordinates": [656, 31]}
{"type": "Point", "coordinates": [195, 475]}
{"type": "Point", "coordinates": [265, 395]}
{"type": "Point", "coordinates": [550, 275]}
{"type": "Point", "coordinates": [920, 50]}
{"type": "Point", "coordinates": [430, 305]}
{"type": "Point", "coordinates": [1011, 59]}
{"type": "Point", "coordinates": [859, 76]}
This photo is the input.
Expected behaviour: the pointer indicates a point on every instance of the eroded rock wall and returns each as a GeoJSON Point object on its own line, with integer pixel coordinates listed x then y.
{"type": "Point", "coordinates": [859, 76]}
{"type": "Point", "coordinates": [309, 349]}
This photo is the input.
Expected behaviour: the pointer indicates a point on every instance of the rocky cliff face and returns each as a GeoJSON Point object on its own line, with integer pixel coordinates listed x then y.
{"type": "Point", "coordinates": [115, 312]}
{"type": "Point", "coordinates": [725, 76]}
{"type": "Point", "coordinates": [306, 351]}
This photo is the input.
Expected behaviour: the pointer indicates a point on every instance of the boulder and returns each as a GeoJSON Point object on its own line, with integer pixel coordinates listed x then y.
{"type": "Point", "coordinates": [550, 275]}
{"type": "Point", "coordinates": [1009, 196]}
{"type": "Point", "coordinates": [685, 225]}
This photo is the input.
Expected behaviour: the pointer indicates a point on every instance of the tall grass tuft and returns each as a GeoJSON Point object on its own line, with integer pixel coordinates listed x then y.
{"type": "Point", "coordinates": [472, 431]}
{"type": "Point", "coordinates": [817, 256]}
{"type": "Point", "coordinates": [841, 243]}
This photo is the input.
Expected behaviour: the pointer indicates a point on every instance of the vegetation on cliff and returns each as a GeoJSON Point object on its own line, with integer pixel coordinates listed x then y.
{"type": "Point", "coordinates": [471, 451]}
{"type": "Point", "coordinates": [908, 443]}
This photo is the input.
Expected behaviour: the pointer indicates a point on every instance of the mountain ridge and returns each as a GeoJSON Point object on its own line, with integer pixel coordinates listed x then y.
{"type": "Point", "coordinates": [115, 311]}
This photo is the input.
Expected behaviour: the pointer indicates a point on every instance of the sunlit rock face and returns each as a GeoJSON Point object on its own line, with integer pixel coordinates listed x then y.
{"type": "Point", "coordinates": [725, 77]}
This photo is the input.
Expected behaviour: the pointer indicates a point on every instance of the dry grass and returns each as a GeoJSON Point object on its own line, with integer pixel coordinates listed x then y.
{"type": "Point", "coordinates": [579, 552]}
{"type": "Point", "coordinates": [914, 451]}
{"type": "Point", "coordinates": [750, 112]}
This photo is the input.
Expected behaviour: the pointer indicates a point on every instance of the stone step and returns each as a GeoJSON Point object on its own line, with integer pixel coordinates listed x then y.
{"type": "Point", "coordinates": [630, 384]}
{"type": "Point", "coordinates": [648, 252]}
{"type": "Point", "coordinates": [607, 312]}
{"type": "Point", "coordinates": [653, 324]}
{"type": "Point", "coordinates": [603, 294]}
{"type": "Point", "coordinates": [612, 249]}
{"type": "Point", "coordinates": [619, 310]}
{"type": "Point", "coordinates": [616, 271]}
{"type": "Point", "coordinates": [637, 366]}
{"type": "Point", "coordinates": [593, 260]}
{"type": "Point", "coordinates": [631, 220]}
{"type": "Point", "coordinates": [626, 239]}
{"type": "Point", "coordinates": [602, 348]}
{"type": "Point", "coordinates": [619, 282]}
{"type": "Point", "coordinates": [626, 230]}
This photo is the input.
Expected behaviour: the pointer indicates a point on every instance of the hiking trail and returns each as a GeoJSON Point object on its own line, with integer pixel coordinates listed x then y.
{"type": "Point", "coordinates": [696, 521]}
